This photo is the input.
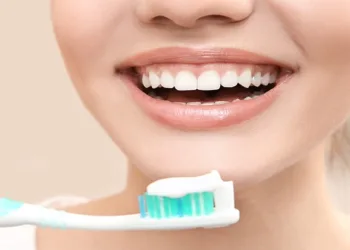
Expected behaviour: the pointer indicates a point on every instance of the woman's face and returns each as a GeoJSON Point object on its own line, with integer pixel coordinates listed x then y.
{"type": "Point", "coordinates": [289, 57]}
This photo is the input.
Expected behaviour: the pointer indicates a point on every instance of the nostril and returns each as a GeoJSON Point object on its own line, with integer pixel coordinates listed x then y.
{"type": "Point", "coordinates": [216, 18]}
{"type": "Point", "coordinates": [161, 19]}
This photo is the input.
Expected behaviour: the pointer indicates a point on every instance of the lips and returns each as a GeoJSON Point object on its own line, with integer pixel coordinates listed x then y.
{"type": "Point", "coordinates": [199, 56]}
{"type": "Point", "coordinates": [196, 89]}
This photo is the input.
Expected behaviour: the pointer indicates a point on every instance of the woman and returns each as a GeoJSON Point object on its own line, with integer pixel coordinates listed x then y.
{"type": "Point", "coordinates": [258, 90]}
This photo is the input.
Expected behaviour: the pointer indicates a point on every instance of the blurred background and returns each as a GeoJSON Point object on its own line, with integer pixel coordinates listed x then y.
{"type": "Point", "coordinates": [49, 144]}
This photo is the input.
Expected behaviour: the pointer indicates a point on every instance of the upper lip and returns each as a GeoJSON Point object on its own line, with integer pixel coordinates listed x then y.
{"type": "Point", "coordinates": [181, 55]}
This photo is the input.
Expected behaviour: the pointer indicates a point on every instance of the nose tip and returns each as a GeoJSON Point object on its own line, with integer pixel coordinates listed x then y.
{"type": "Point", "coordinates": [190, 13]}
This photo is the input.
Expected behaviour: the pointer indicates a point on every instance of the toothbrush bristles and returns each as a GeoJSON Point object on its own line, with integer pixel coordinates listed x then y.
{"type": "Point", "coordinates": [155, 207]}
{"type": "Point", "coordinates": [142, 206]}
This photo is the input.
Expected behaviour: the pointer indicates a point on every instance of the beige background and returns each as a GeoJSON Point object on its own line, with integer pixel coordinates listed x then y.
{"type": "Point", "coordinates": [49, 144]}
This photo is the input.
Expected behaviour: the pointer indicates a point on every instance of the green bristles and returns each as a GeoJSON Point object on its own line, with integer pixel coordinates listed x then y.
{"type": "Point", "coordinates": [209, 204]}
{"type": "Point", "coordinates": [197, 204]}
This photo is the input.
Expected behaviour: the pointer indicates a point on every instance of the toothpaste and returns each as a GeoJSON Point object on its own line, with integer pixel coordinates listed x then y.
{"type": "Point", "coordinates": [180, 186]}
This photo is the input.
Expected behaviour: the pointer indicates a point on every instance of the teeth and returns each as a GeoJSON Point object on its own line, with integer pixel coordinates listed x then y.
{"type": "Point", "coordinates": [145, 81]}
{"type": "Point", "coordinates": [167, 80]}
{"type": "Point", "coordinates": [209, 80]}
{"type": "Point", "coordinates": [245, 79]}
{"type": "Point", "coordinates": [194, 103]}
{"type": "Point", "coordinates": [229, 79]}
{"type": "Point", "coordinates": [154, 80]}
{"type": "Point", "coordinates": [221, 102]}
{"type": "Point", "coordinates": [185, 80]}
{"type": "Point", "coordinates": [273, 78]}
{"type": "Point", "coordinates": [206, 103]}
{"type": "Point", "coordinates": [256, 81]}
{"type": "Point", "coordinates": [265, 79]}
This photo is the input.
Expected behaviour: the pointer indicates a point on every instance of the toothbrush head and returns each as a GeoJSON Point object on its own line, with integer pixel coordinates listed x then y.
{"type": "Point", "coordinates": [184, 203]}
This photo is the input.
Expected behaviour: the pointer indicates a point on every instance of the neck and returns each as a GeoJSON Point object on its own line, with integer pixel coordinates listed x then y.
{"type": "Point", "coordinates": [289, 211]}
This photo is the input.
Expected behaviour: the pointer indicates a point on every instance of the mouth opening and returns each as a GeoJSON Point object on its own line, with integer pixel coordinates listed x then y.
{"type": "Point", "coordinates": [221, 94]}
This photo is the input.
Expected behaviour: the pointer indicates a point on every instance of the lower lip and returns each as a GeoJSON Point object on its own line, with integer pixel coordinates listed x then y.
{"type": "Point", "coordinates": [202, 117]}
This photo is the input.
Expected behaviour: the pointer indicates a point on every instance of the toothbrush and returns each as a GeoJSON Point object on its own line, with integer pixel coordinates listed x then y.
{"type": "Point", "coordinates": [169, 204]}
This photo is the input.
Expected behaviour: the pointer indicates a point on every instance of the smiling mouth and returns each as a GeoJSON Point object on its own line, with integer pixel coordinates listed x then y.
{"type": "Point", "coordinates": [194, 89]}
{"type": "Point", "coordinates": [210, 84]}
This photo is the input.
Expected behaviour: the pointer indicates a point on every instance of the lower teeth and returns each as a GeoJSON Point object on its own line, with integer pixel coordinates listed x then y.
{"type": "Point", "coordinates": [253, 95]}
{"type": "Point", "coordinates": [207, 103]}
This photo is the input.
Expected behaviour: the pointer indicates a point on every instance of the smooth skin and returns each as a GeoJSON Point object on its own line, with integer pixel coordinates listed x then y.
{"type": "Point", "coordinates": [276, 160]}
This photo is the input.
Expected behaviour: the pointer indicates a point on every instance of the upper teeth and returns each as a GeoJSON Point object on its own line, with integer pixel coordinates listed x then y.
{"type": "Point", "coordinates": [207, 80]}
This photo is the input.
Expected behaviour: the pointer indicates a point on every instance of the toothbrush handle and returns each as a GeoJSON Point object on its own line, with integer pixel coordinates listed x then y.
{"type": "Point", "coordinates": [14, 213]}
{"type": "Point", "coordinates": [45, 217]}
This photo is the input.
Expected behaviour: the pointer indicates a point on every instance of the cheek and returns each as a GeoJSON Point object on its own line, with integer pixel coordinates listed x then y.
{"type": "Point", "coordinates": [321, 28]}
{"type": "Point", "coordinates": [84, 27]}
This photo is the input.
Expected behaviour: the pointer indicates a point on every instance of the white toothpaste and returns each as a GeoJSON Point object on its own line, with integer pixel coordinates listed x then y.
{"type": "Point", "coordinates": [180, 186]}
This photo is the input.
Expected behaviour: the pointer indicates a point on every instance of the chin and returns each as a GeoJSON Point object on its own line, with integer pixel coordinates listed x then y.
{"type": "Point", "coordinates": [245, 168]}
